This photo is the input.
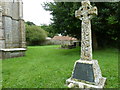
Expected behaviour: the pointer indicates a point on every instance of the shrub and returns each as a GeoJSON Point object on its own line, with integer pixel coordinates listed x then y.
{"type": "Point", "coordinates": [35, 35]}
{"type": "Point", "coordinates": [68, 46]}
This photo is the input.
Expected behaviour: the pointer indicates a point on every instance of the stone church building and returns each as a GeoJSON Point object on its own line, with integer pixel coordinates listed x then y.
{"type": "Point", "coordinates": [12, 29]}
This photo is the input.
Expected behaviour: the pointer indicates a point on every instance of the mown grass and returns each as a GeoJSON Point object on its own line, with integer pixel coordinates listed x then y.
{"type": "Point", "coordinates": [49, 67]}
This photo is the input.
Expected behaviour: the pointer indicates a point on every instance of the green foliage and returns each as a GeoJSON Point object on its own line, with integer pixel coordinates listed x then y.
{"type": "Point", "coordinates": [49, 29]}
{"type": "Point", "coordinates": [104, 25]}
{"type": "Point", "coordinates": [29, 23]}
{"type": "Point", "coordinates": [112, 20]}
{"type": "Point", "coordinates": [64, 19]}
{"type": "Point", "coordinates": [65, 46]}
{"type": "Point", "coordinates": [35, 35]}
{"type": "Point", "coordinates": [49, 67]}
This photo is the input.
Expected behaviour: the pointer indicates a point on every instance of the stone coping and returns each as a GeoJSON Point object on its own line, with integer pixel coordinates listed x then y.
{"type": "Point", "coordinates": [13, 49]}
{"type": "Point", "coordinates": [85, 61]}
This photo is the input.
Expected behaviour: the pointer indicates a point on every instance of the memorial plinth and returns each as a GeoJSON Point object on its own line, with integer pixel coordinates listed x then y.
{"type": "Point", "coordinates": [86, 73]}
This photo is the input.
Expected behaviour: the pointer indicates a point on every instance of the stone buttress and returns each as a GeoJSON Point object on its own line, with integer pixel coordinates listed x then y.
{"type": "Point", "coordinates": [12, 29]}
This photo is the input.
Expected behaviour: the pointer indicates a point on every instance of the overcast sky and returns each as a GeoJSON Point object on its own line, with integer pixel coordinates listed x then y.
{"type": "Point", "coordinates": [34, 12]}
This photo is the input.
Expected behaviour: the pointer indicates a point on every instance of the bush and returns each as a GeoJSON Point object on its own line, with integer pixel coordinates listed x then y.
{"type": "Point", "coordinates": [68, 46]}
{"type": "Point", "coordinates": [35, 35]}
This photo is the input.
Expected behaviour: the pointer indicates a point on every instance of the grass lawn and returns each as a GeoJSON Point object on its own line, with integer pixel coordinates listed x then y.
{"type": "Point", "coordinates": [49, 67]}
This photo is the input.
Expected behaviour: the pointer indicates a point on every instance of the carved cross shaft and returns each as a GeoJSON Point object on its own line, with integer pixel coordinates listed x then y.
{"type": "Point", "coordinates": [85, 13]}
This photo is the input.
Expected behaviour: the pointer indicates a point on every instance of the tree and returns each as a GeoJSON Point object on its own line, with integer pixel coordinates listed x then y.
{"type": "Point", "coordinates": [35, 35]}
{"type": "Point", "coordinates": [29, 23]}
{"type": "Point", "coordinates": [104, 26]}
{"type": "Point", "coordinates": [49, 29]}
{"type": "Point", "coordinates": [65, 22]}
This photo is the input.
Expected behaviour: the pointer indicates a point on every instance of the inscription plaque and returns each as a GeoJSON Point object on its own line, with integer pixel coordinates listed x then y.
{"type": "Point", "coordinates": [84, 72]}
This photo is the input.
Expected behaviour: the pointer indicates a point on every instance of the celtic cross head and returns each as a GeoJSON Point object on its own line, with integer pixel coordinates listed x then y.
{"type": "Point", "coordinates": [86, 11]}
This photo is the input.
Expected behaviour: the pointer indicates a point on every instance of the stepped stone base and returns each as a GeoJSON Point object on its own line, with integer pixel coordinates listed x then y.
{"type": "Point", "coordinates": [76, 84]}
{"type": "Point", "coordinates": [86, 74]}
{"type": "Point", "coordinates": [11, 53]}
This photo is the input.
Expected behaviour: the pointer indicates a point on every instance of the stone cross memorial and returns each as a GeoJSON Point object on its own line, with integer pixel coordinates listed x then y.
{"type": "Point", "coordinates": [86, 73]}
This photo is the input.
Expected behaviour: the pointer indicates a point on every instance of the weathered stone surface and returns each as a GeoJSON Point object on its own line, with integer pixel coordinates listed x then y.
{"type": "Point", "coordinates": [2, 44]}
{"type": "Point", "coordinates": [12, 9]}
{"type": "Point", "coordinates": [7, 25]}
{"type": "Point", "coordinates": [76, 84]}
{"type": "Point", "coordinates": [86, 73]}
{"type": "Point", "coordinates": [99, 81]}
{"type": "Point", "coordinates": [15, 12]}
{"type": "Point", "coordinates": [85, 13]}
{"type": "Point", "coordinates": [12, 29]}
{"type": "Point", "coordinates": [2, 38]}
{"type": "Point", "coordinates": [6, 55]}
{"type": "Point", "coordinates": [1, 34]}
{"type": "Point", "coordinates": [7, 8]}
{"type": "Point", "coordinates": [14, 52]}
{"type": "Point", "coordinates": [20, 9]}
{"type": "Point", "coordinates": [22, 31]}
{"type": "Point", "coordinates": [15, 34]}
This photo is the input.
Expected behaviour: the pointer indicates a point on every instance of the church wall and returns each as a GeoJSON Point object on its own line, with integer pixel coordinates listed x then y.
{"type": "Point", "coordinates": [15, 10]}
{"type": "Point", "coordinates": [7, 8]}
{"type": "Point", "coordinates": [12, 29]}
{"type": "Point", "coordinates": [7, 26]}
{"type": "Point", "coordinates": [2, 44]}
{"type": "Point", "coordinates": [15, 34]}
{"type": "Point", "coordinates": [2, 39]}
{"type": "Point", "coordinates": [12, 14]}
{"type": "Point", "coordinates": [22, 33]}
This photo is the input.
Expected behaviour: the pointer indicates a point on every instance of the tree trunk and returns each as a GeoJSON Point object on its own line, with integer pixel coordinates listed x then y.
{"type": "Point", "coordinates": [95, 43]}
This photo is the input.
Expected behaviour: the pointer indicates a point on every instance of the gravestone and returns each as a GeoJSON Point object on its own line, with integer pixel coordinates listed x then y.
{"type": "Point", "coordinates": [86, 73]}
{"type": "Point", "coordinates": [12, 29]}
